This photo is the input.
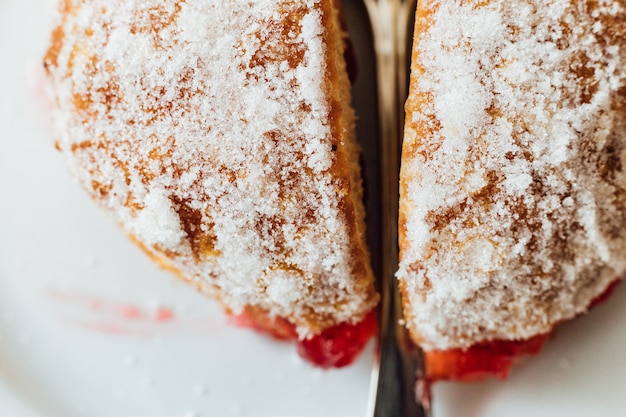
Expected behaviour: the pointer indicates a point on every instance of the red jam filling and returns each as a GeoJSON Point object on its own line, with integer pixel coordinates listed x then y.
{"type": "Point", "coordinates": [480, 361]}
{"type": "Point", "coordinates": [335, 347]}
{"type": "Point", "coordinates": [494, 358]}
{"type": "Point", "coordinates": [340, 345]}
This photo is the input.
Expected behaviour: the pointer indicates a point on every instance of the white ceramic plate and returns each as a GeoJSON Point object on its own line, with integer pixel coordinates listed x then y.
{"type": "Point", "coordinates": [90, 327]}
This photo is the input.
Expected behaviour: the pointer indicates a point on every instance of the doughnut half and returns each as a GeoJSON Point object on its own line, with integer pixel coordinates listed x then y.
{"type": "Point", "coordinates": [220, 136]}
{"type": "Point", "coordinates": [513, 190]}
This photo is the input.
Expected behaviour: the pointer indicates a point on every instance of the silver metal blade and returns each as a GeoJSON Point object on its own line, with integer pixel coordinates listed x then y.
{"type": "Point", "coordinates": [399, 363]}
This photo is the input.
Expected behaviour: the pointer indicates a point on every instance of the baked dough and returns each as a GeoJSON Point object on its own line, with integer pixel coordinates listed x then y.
{"type": "Point", "coordinates": [219, 134]}
{"type": "Point", "coordinates": [513, 192]}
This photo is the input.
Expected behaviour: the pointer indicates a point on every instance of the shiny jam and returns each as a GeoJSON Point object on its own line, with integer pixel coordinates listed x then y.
{"type": "Point", "coordinates": [335, 347]}
{"type": "Point", "coordinates": [495, 358]}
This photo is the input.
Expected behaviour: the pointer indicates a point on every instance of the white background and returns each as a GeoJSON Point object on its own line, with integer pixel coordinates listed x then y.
{"type": "Point", "coordinates": [53, 240]}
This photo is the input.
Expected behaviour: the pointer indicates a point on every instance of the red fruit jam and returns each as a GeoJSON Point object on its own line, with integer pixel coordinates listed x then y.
{"type": "Point", "coordinates": [494, 358]}
{"type": "Point", "coordinates": [340, 345]}
{"type": "Point", "coordinates": [334, 348]}
{"type": "Point", "coordinates": [480, 361]}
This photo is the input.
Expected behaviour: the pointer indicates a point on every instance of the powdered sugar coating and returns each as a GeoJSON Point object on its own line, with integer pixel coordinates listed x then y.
{"type": "Point", "coordinates": [513, 199]}
{"type": "Point", "coordinates": [207, 129]}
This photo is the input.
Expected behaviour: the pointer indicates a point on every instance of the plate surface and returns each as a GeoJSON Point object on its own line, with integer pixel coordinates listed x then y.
{"type": "Point", "coordinates": [90, 327]}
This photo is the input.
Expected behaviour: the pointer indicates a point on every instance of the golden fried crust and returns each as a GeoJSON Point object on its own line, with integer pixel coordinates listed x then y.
{"type": "Point", "coordinates": [221, 136]}
{"type": "Point", "coordinates": [513, 195]}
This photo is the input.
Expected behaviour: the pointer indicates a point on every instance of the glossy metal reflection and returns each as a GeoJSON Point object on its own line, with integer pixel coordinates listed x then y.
{"type": "Point", "coordinates": [399, 363]}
